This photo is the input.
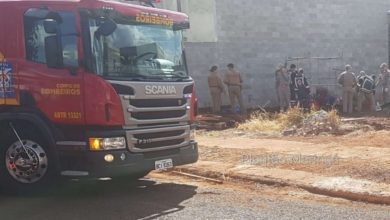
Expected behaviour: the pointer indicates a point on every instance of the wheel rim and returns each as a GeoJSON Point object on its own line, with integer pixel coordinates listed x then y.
{"type": "Point", "coordinates": [26, 166]}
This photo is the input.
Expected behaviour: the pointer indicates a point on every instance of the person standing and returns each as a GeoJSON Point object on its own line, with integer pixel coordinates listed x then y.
{"type": "Point", "coordinates": [347, 80]}
{"type": "Point", "coordinates": [301, 90]}
{"type": "Point", "coordinates": [282, 88]}
{"type": "Point", "coordinates": [234, 82]}
{"type": "Point", "coordinates": [216, 89]}
{"type": "Point", "coordinates": [384, 79]}
{"type": "Point", "coordinates": [292, 72]}
{"type": "Point", "coordinates": [277, 72]}
{"type": "Point", "coordinates": [365, 91]}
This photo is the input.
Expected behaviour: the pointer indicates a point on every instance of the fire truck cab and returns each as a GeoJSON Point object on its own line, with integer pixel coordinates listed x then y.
{"type": "Point", "coordinates": [92, 88]}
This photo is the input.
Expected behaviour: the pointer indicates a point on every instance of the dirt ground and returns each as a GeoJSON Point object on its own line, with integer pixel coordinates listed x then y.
{"type": "Point", "coordinates": [361, 151]}
{"type": "Point", "coordinates": [248, 188]}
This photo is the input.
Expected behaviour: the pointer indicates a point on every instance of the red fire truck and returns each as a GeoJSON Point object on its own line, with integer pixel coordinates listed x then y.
{"type": "Point", "coordinates": [92, 88]}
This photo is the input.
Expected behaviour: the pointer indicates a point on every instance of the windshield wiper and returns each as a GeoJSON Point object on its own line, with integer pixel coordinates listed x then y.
{"type": "Point", "coordinates": [160, 76]}
{"type": "Point", "coordinates": [140, 77]}
{"type": "Point", "coordinates": [177, 74]}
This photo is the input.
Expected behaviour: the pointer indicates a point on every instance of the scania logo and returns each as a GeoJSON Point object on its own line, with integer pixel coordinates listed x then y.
{"type": "Point", "coordinates": [160, 90]}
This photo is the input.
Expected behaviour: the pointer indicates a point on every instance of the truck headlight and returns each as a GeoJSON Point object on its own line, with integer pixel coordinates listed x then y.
{"type": "Point", "coordinates": [114, 143]}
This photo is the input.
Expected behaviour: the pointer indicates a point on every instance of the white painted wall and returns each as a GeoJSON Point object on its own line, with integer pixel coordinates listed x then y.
{"type": "Point", "coordinates": [202, 14]}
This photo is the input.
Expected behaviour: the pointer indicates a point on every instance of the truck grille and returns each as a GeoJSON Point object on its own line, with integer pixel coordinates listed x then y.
{"type": "Point", "coordinates": [143, 112]}
{"type": "Point", "coordinates": [155, 103]}
{"type": "Point", "coordinates": [155, 122]}
{"type": "Point", "coordinates": [158, 115]}
{"type": "Point", "coordinates": [143, 109]}
{"type": "Point", "coordinates": [159, 134]}
{"type": "Point", "coordinates": [145, 140]}
{"type": "Point", "coordinates": [159, 144]}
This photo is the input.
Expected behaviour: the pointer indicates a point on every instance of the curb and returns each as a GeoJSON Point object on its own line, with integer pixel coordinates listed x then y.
{"type": "Point", "coordinates": [352, 196]}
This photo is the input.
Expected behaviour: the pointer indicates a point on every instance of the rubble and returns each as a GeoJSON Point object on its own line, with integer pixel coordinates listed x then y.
{"type": "Point", "coordinates": [318, 122]}
{"type": "Point", "coordinates": [315, 123]}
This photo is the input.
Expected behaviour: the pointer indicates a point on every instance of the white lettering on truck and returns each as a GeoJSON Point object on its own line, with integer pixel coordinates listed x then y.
{"type": "Point", "coordinates": [160, 90]}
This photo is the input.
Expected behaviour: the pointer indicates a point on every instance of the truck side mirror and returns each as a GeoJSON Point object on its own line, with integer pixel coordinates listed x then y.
{"type": "Point", "coordinates": [50, 26]}
{"type": "Point", "coordinates": [181, 26]}
{"type": "Point", "coordinates": [53, 51]}
{"type": "Point", "coordinates": [107, 27]}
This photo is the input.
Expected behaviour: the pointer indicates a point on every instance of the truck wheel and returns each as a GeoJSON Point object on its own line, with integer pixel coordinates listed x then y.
{"type": "Point", "coordinates": [24, 165]}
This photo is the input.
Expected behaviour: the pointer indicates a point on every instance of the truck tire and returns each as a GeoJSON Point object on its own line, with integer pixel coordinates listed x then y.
{"type": "Point", "coordinates": [27, 165]}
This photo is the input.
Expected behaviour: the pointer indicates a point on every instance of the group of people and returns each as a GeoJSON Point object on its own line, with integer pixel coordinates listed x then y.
{"type": "Point", "coordinates": [292, 87]}
{"type": "Point", "coordinates": [365, 87]}
{"type": "Point", "coordinates": [233, 82]}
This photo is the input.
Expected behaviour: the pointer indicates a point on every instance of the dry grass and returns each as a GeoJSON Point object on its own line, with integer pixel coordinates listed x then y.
{"type": "Point", "coordinates": [334, 119]}
{"type": "Point", "coordinates": [263, 122]}
{"type": "Point", "coordinates": [293, 118]}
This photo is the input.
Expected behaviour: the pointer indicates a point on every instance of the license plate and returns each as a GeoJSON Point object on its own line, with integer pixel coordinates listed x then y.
{"type": "Point", "coordinates": [163, 164]}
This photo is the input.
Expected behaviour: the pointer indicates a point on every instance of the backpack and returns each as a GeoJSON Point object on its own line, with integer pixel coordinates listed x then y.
{"type": "Point", "coordinates": [300, 82]}
{"type": "Point", "coordinates": [367, 84]}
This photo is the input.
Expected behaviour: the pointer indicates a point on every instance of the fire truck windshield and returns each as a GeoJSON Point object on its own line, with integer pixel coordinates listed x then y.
{"type": "Point", "coordinates": [134, 50]}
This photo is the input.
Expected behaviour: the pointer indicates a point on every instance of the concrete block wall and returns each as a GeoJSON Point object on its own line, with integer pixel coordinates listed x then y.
{"type": "Point", "coordinates": [257, 35]}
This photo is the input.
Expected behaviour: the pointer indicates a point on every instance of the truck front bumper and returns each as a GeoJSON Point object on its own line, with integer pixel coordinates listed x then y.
{"type": "Point", "coordinates": [94, 164]}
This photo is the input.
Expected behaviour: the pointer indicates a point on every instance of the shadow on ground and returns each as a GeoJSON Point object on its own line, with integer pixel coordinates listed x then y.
{"type": "Point", "coordinates": [92, 199]}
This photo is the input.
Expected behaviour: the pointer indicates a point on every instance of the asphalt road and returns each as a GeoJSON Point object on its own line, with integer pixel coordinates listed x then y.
{"type": "Point", "coordinates": [170, 198]}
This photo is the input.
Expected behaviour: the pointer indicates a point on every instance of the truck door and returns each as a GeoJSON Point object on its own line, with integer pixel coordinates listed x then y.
{"type": "Point", "coordinates": [50, 76]}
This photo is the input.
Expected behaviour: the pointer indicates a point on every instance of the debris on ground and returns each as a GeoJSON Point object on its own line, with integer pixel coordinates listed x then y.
{"type": "Point", "coordinates": [294, 122]}
{"type": "Point", "coordinates": [320, 122]}
{"type": "Point", "coordinates": [218, 122]}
